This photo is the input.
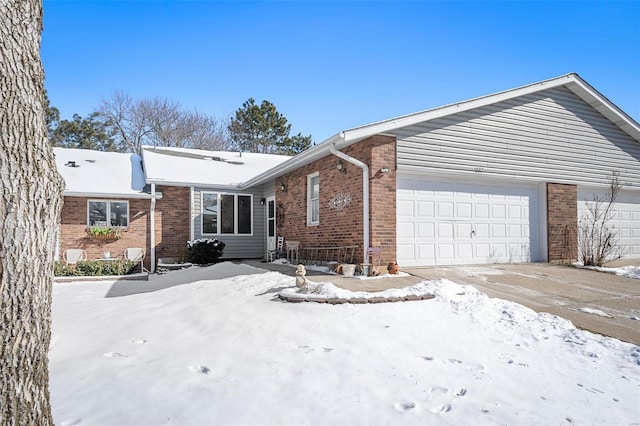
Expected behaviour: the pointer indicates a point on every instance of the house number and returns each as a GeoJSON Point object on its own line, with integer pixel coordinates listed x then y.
{"type": "Point", "coordinates": [479, 169]}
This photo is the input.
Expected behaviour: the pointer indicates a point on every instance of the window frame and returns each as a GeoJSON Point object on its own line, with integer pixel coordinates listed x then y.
{"type": "Point", "coordinates": [108, 213]}
{"type": "Point", "coordinates": [310, 200]}
{"type": "Point", "coordinates": [236, 217]}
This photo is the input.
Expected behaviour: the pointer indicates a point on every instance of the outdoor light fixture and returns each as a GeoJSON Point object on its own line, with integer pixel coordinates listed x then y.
{"type": "Point", "coordinates": [385, 170]}
{"type": "Point", "coordinates": [283, 187]}
{"type": "Point", "coordinates": [341, 167]}
{"type": "Point", "coordinates": [262, 201]}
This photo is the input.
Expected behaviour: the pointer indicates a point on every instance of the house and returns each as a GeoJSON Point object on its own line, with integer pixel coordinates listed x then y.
{"type": "Point", "coordinates": [155, 200]}
{"type": "Point", "coordinates": [500, 178]}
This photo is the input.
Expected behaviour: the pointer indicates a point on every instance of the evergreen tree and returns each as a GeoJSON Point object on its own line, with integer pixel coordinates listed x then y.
{"type": "Point", "coordinates": [261, 128]}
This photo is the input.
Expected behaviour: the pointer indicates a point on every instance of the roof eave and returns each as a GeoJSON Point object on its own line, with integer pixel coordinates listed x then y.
{"type": "Point", "coordinates": [305, 157]}
{"type": "Point", "coordinates": [142, 196]}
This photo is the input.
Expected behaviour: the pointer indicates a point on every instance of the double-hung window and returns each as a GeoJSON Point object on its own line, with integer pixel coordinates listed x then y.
{"type": "Point", "coordinates": [108, 213]}
{"type": "Point", "coordinates": [313, 199]}
{"type": "Point", "coordinates": [230, 214]}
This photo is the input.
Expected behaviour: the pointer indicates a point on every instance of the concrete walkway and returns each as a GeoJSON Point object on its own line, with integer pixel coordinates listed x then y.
{"type": "Point", "coordinates": [564, 291]}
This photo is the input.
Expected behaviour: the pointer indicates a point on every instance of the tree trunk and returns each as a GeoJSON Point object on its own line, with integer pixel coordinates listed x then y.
{"type": "Point", "coordinates": [31, 191]}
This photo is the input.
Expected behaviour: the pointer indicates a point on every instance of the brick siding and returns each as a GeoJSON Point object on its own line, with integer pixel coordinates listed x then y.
{"type": "Point", "coordinates": [172, 226]}
{"type": "Point", "coordinates": [562, 222]}
{"type": "Point", "coordinates": [345, 227]}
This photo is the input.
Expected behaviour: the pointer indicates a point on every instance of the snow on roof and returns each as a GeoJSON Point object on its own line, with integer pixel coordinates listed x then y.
{"type": "Point", "coordinates": [97, 173]}
{"type": "Point", "coordinates": [183, 166]}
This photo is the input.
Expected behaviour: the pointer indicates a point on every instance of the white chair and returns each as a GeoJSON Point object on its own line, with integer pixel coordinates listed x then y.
{"type": "Point", "coordinates": [272, 254]}
{"type": "Point", "coordinates": [73, 256]}
{"type": "Point", "coordinates": [135, 254]}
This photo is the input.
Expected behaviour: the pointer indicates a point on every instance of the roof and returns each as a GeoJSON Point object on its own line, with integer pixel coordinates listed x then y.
{"type": "Point", "coordinates": [341, 140]}
{"type": "Point", "coordinates": [195, 167]}
{"type": "Point", "coordinates": [89, 173]}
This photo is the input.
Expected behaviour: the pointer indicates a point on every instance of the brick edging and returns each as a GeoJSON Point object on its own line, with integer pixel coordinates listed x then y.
{"type": "Point", "coordinates": [314, 298]}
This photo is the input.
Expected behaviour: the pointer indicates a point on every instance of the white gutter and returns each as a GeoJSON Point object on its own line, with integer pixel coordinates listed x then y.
{"type": "Point", "coordinates": [111, 195]}
{"type": "Point", "coordinates": [365, 196]}
{"type": "Point", "coordinates": [152, 225]}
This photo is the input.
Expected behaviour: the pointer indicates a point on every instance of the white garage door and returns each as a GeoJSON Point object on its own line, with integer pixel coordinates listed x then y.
{"type": "Point", "coordinates": [444, 223]}
{"type": "Point", "coordinates": [625, 218]}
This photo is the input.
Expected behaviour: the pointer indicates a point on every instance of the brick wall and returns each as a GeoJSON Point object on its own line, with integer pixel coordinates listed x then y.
{"type": "Point", "coordinates": [172, 226]}
{"type": "Point", "coordinates": [345, 227]}
{"type": "Point", "coordinates": [73, 229]}
{"type": "Point", "coordinates": [562, 222]}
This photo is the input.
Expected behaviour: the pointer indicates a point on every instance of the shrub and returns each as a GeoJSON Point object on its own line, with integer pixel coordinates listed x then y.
{"type": "Point", "coordinates": [92, 268]}
{"type": "Point", "coordinates": [204, 250]}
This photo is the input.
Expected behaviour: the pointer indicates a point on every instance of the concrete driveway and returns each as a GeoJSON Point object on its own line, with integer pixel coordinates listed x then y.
{"type": "Point", "coordinates": [595, 301]}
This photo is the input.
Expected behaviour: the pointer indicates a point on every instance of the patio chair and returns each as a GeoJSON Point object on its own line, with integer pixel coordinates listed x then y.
{"type": "Point", "coordinates": [73, 256]}
{"type": "Point", "coordinates": [135, 254]}
{"type": "Point", "coordinates": [273, 254]}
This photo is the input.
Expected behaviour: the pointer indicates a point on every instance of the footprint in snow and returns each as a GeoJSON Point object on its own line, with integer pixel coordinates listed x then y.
{"type": "Point", "coordinates": [199, 369]}
{"type": "Point", "coordinates": [113, 355]}
{"type": "Point", "coordinates": [444, 408]}
{"type": "Point", "coordinates": [70, 422]}
{"type": "Point", "coordinates": [139, 342]}
{"type": "Point", "coordinates": [461, 392]}
{"type": "Point", "coordinates": [428, 358]}
{"type": "Point", "coordinates": [404, 406]}
{"type": "Point", "coordinates": [327, 349]}
{"type": "Point", "coordinates": [454, 361]}
{"type": "Point", "coordinates": [439, 390]}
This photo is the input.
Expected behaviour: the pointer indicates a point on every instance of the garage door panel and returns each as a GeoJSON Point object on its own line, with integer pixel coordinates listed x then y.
{"type": "Point", "coordinates": [625, 217]}
{"type": "Point", "coordinates": [426, 208]}
{"type": "Point", "coordinates": [464, 223]}
{"type": "Point", "coordinates": [405, 230]}
{"type": "Point", "coordinates": [405, 207]}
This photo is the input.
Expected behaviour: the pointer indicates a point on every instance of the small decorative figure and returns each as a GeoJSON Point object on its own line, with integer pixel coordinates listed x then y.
{"type": "Point", "coordinates": [393, 268]}
{"type": "Point", "coordinates": [301, 281]}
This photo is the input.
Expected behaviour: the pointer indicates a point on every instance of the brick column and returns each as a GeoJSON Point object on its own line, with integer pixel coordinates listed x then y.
{"type": "Point", "coordinates": [562, 222]}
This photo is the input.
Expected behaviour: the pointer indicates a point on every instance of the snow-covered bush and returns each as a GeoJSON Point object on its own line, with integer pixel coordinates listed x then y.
{"type": "Point", "coordinates": [204, 250]}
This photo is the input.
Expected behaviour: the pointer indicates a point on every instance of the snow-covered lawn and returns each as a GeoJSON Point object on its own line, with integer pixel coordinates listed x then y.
{"type": "Point", "coordinates": [625, 271]}
{"type": "Point", "coordinates": [227, 351]}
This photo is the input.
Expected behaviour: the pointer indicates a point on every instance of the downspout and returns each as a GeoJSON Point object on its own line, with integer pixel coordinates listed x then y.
{"type": "Point", "coordinates": [365, 196]}
{"type": "Point", "coordinates": [152, 225]}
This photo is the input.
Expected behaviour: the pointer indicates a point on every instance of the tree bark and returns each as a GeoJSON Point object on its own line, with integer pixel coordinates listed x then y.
{"type": "Point", "coordinates": [31, 191]}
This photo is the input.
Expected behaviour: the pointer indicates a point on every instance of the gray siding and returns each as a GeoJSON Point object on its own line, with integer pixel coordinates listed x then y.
{"type": "Point", "coordinates": [237, 246]}
{"type": "Point", "coordinates": [550, 135]}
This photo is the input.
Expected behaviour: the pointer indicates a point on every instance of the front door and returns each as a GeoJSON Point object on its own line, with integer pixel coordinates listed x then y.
{"type": "Point", "coordinates": [271, 223]}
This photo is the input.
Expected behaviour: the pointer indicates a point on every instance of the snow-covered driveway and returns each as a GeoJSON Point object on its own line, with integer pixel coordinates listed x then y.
{"type": "Point", "coordinates": [227, 351]}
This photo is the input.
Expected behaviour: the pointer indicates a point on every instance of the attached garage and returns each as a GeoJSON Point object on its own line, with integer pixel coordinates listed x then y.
{"type": "Point", "coordinates": [625, 218]}
{"type": "Point", "coordinates": [454, 223]}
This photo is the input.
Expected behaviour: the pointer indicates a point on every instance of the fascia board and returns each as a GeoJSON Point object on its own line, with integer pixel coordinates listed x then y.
{"type": "Point", "coordinates": [109, 195]}
{"type": "Point", "coordinates": [306, 157]}
{"type": "Point", "coordinates": [192, 184]}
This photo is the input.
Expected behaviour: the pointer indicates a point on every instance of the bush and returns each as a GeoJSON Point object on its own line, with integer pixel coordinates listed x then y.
{"type": "Point", "coordinates": [204, 250]}
{"type": "Point", "coordinates": [92, 268]}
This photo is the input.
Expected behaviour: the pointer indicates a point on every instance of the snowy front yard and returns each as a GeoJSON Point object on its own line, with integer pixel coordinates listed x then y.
{"type": "Point", "coordinates": [227, 351]}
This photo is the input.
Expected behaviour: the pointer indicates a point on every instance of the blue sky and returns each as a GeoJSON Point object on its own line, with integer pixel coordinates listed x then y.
{"type": "Point", "coordinates": [330, 66]}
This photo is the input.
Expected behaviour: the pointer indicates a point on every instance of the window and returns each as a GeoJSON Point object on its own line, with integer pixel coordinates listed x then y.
{"type": "Point", "coordinates": [313, 199]}
{"type": "Point", "coordinates": [108, 213]}
{"type": "Point", "coordinates": [230, 214]}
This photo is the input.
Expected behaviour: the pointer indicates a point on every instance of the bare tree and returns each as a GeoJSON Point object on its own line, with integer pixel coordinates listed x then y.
{"type": "Point", "coordinates": [160, 122]}
{"type": "Point", "coordinates": [31, 191]}
{"type": "Point", "coordinates": [126, 118]}
{"type": "Point", "coordinates": [597, 237]}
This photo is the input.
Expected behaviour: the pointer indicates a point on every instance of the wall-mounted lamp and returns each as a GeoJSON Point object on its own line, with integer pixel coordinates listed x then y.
{"type": "Point", "coordinates": [263, 201]}
{"type": "Point", "coordinates": [385, 170]}
{"type": "Point", "coordinates": [283, 187]}
{"type": "Point", "coordinates": [340, 166]}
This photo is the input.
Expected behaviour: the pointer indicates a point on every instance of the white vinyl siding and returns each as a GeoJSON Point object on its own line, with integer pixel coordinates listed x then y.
{"type": "Point", "coordinates": [548, 136]}
{"type": "Point", "coordinates": [313, 199]}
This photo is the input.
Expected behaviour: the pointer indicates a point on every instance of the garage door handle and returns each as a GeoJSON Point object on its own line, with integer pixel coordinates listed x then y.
{"type": "Point", "coordinates": [473, 233]}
